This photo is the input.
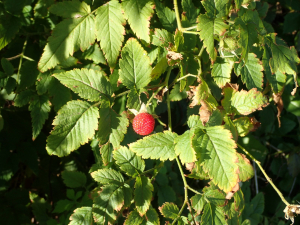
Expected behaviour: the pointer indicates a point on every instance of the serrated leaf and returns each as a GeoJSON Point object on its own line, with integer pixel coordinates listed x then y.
{"type": "Point", "coordinates": [243, 102]}
{"type": "Point", "coordinates": [7, 67]}
{"type": "Point", "coordinates": [152, 216]}
{"type": "Point", "coordinates": [169, 210]}
{"type": "Point", "coordinates": [110, 198]}
{"type": "Point", "coordinates": [251, 72]}
{"type": "Point", "coordinates": [179, 41]}
{"type": "Point", "coordinates": [157, 146]}
{"type": "Point", "coordinates": [9, 27]}
{"type": "Point", "coordinates": [194, 121]}
{"type": "Point", "coordinates": [166, 16]}
{"type": "Point", "coordinates": [39, 110]}
{"type": "Point", "coordinates": [209, 27]}
{"type": "Point", "coordinates": [166, 194]}
{"type": "Point", "coordinates": [25, 97]}
{"type": "Point", "coordinates": [215, 7]}
{"type": "Point", "coordinates": [112, 126]}
{"type": "Point", "coordinates": [73, 179]}
{"type": "Point", "coordinates": [198, 202]}
{"type": "Point", "coordinates": [142, 194]}
{"type": "Point", "coordinates": [218, 155]}
{"type": "Point", "coordinates": [82, 216]}
{"type": "Point", "coordinates": [107, 176]}
{"type": "Point", "coordinates": [95, 54]}
{"type": "Point", "coordinates": [70, 9]}
{"type": "Point", "coordinates": [135, 66]}
{"type": "Point", "coordinates": [110, 30]}
{"type": "Point", "coordinates": [184, 148]}
{"type": "Point", "coordinates": [41, 8]}
{"type": "Point", "coordinates": [138, 13]}
{"type": "Point", "coordinates": [88, 84]}
{"type": "Point", "coordinates": [59, 93]}
{"type": "Point", "coordinates": [213, 215]}
{"type": "Point", "coordinates": [75, 124]}
{"type": "Point", "coordinates": [128, 161]}
{"type": "Point", "coordinates": [248, 36]}
{"type": "Point", "coordinates": [246, 171]}
{"type": "Point", "coordinates": [215, 196]}
{"type": "Point", "coordinates": [162, 38]}
{"type": "Point", "coordinates": [28, 74]}
{"type": "Point", "coordinates": [176, 95]}
{"type": "Point", "coordinates": [63, 205]}
{"type": "Point", "coordinates": [191, 12]}
{"type": "Point", "coordinates": [283, 58]}
{"type": "Point", "coordinates": [66, 38]}
{"type": "Point", "coordinates": [106, 153]}
{"type": "Point", "coordinates": [133, 218]}
{"type": "Point", "coordinates": [243, 125]}
{"type": "Point", "coordinates": [160, 67]}
{"type": "Point", "coordinates": [221, 71]}
{"type": "Point", "coordinates": [133, 101]}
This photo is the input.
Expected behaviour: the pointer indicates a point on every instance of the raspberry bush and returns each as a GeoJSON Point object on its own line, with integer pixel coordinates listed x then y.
{"type": "Point", "coordinates": [220, 77]}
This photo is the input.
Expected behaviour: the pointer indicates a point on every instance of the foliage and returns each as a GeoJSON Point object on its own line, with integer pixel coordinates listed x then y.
{"type": "Point", "coordinates": [219, 77]}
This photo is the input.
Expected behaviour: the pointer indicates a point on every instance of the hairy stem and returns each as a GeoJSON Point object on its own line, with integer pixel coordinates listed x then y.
{"type": "Point", "coordinates": [177, 15]}
{"type": "Point", "coordinates": [266, 175]}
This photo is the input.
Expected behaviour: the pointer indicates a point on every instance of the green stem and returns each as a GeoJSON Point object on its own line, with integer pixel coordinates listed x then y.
{"type": "Point", "coordinates": [190, 32]}
{"type": "Point", "coordinates": [188, 75]}
{"type": "Point", "coordinates": [190, 28]}
{"type": "Point", "coordinates": [21, 59]}
{"type": "Point", "coordinates": [177, 15]}
{"type": "Point", "coordinates": [265, 174]}
{"type": "Point", "coordinates": [165, 84]}
{"type": "Point", "coordinates": [123, 93]}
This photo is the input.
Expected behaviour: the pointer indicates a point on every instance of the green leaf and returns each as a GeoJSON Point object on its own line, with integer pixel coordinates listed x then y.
{"type": "Point", "coordinates": [243, 102]}
{"type": "Point", "coordinates": [112, 126]}
{"type": "Point", "coordinates": [246, 171]}
{"type": "Point", "coordinates": [248, 36]}
{"type": "Point", "coordinates": [60, 94]}
{"type": "Point", "coordinates": [7, 67]}
{"type": "Point", "coordinates": [218, 156]}
{"type": "Point", "coordinates": [194, 121]}
{"type": "Point", "coordinates": [70, 9]}
{"type": "Point", "coordinates": [162, 38]}
{"type": "Point", "coordinates": [88, 84]}
{"type": "Point", "coordinates": [191, 12]}
{"type": "Point", "coordinates": [128, 161]}
{"type": "Point", "coordinates": [213, 215]}
{"type": "Point", "coordinates": [169, 210]}
{"type": "Point", "coordinates": [73, 179]}
{"type": "Point", "coordinates": [40, 108]}
{"type": "Point", "coordinates": [244, 125]}
{"type": "Point", "coordinates": [62, 206]}
{"type": "Point", "coordinates": [138, 13]}
{"type": "Point", "coordinates": [135, 66]}
{"type": "Point", "coordinates": [214, 196]}
{"type": "Point", "coordinates": [110, 198]}
{"type": "Point", "coordinates": [176, 94]}
{"type": "Point", "coordinates": [82, 216]}
{"type": "Point", "coordinates": [66, 38]}
{"type": "Point", "coordinates": [283, 58]}
{"type": "Point", "coordinates": [277, 80]}
{"type": "Point", "coordinates": [28, 74]}
{"type": "Point", "coordinates": [166, 16]}
{"type": "Point", "coordinates": [142, 194]}
{"type": "Point", "coordinates": [25, 97]}
{"type": "Point", "coordinates": [198, 202]}
{"type": "Point", "coordinates": [133, 218]}
{"type": "Point", "coordinates": [251, 72]}
{"type": "Point", "coordinates": [95, 54]}
{"type": "Point", "coordinates": [72, 129]}
{"type": "Point", "coordinates": [133, 100]}
{"type": "Point", "coordinates": [152, 216]}
{"type": "Point", "coordinates": [156, 146]}
{"type": "Point", "coordinates": [106, 153]}
{"type": "Point", "coordinates": [221, 71]}
{"type": "Point", "coordinates": [160, 67]}
{"type": "Point", "coordinates": [41, 8]}
{"type": "Point", "coordinates": [291, 22]}
{"type": "Point", "coordinates": [9, 27]}
{"type": "Point", "coordinates": [215, 7]}
{"type": "Point", "coordinates": [184, 147]}
{"type": "Point", "coordinates": [107, 176]}
{"type": "Point", "coordinates": [209, 27]}
{"type": "Point", "coordinates": [179, 41]}
{"type": "Point", "coordinates": [110, 30]}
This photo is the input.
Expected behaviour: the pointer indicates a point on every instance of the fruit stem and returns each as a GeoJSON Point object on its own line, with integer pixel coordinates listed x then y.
{"type": "Point", "coordinates": [265, 174]}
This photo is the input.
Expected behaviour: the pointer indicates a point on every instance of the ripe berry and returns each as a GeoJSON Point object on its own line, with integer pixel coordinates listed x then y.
{"type": "Point", "coordinates": [143, 123]}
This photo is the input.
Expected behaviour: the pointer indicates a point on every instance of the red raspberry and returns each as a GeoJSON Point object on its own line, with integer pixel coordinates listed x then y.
{"type": "Point", "coordinates": [143, 123]}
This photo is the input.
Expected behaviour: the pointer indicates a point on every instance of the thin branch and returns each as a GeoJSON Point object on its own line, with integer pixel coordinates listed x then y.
{"type": "Point", "coordinates": [266, 175]}
{"type": "Point", "coordinates": [177, 15]}
{"type": "Point", "coordinates": [255, 177]}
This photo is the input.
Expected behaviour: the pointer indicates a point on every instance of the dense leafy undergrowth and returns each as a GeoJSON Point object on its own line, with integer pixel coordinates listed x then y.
{"type": "Point", "coordinates": [218, 76]}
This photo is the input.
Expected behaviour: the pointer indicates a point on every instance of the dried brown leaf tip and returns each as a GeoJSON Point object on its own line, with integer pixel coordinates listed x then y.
{"type": "Point", "coordinates": [279, 103]}
{"type": "Point", "coordinates": [290, 211]}
{"type": "Point", "coordinates": [204, 112]}
{"type": "Point", "coordinates": [174, 58]}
